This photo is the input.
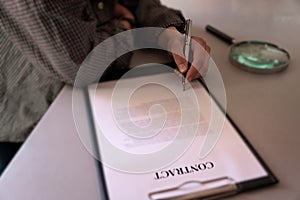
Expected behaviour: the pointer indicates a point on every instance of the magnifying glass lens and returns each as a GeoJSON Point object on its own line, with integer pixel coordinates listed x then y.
{"type": "Point", "coordinates": [259, 56]}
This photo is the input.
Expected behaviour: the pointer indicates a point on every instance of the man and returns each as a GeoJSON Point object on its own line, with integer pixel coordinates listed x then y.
{"type": "Point", "coordinates": [55, 37]}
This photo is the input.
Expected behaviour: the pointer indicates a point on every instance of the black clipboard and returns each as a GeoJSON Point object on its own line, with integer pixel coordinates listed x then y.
{"type": "Point", "coordinates": [207, 189]}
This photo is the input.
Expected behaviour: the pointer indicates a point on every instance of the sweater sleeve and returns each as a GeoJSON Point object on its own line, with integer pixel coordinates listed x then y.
{"type": "Point", "coordinates": [151, 13]}
{"type": "Point", "coordinates": [56, 36]}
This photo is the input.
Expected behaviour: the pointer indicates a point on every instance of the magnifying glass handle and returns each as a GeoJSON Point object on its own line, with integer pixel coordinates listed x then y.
{"type": "Point", "coordinates": [226, 38]}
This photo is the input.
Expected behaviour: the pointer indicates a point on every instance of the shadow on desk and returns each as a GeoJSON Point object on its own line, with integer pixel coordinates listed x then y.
{"type": "Point", "coordinates": [7, 152]}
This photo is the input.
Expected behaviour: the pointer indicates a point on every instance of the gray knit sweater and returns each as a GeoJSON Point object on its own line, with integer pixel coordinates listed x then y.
{"type": "Point", "coordinates": [43, 43]}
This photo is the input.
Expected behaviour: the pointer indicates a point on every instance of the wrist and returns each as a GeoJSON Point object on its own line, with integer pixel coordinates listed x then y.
{"type": "Point", "coordinates": [169, 35]}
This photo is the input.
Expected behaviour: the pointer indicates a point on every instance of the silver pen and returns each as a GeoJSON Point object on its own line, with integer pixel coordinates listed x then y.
{"type": "Point", "coordinates": [187, 46]}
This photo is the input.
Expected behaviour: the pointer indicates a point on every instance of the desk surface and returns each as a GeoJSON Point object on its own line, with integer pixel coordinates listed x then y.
{"type": "Point", "coordinates": [53, 163]}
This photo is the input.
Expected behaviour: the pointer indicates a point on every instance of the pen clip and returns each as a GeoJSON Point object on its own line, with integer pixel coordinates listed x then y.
{"type": "Point", "coordinates": [211, 189]}
{"type": "Point", "coordinates": [187, 40]}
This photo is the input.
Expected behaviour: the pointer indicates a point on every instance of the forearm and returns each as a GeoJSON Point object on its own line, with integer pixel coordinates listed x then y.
{"type": "Point", "coordinates": [55, 38]}
{"type": "Point", "coordinates": [154, 14]}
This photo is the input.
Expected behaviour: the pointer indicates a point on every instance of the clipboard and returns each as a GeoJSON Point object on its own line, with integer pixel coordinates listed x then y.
{"type": "Point", "coordinates": [117, 183]}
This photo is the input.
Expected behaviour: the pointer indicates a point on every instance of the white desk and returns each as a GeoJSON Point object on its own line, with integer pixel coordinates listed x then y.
{"type": "Point", "coordinates": [53, 164]}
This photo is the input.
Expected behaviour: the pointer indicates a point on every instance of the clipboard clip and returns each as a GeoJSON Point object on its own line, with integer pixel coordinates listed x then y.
{"type": "Point", "coordinates": [210, 189]}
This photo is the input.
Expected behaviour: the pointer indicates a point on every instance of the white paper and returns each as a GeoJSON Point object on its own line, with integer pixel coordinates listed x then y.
{"type": "Point", "coordinates": [178, 113]}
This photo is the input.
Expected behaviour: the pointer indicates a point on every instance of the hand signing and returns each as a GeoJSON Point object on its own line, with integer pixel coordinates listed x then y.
{"type": "Point", "coordinates": [173, 41]}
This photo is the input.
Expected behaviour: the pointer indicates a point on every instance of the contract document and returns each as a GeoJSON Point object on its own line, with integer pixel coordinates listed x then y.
{"type": "Point", "coordinates": [151, 136]}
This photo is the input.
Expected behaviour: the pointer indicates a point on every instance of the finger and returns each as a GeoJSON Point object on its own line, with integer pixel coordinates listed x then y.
{"type": "Point", "coordinates": [201, 59]}
{"type": "Point", "coordinates": [198, 45]}
{"type": "Point", "coordinates": [204, 63]}
{"type": "Point", "coordinates": [206, 60]}
{"type": "Point", "coordinates": [177, 72]}
{"type": "Point", "coordinates": [176, 49]}
{"type": "Point", "coordinates": [192, 74]}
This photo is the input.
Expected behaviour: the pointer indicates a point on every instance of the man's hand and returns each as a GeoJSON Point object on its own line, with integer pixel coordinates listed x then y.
{"type": "Point", "coordinates": [121, 11]}
{"type": "Point", "coordinates": [173, 41]}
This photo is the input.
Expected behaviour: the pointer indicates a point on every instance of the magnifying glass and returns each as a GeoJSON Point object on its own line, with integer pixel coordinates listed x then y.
{"type": "Point", "coordinates": [254, 56]}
